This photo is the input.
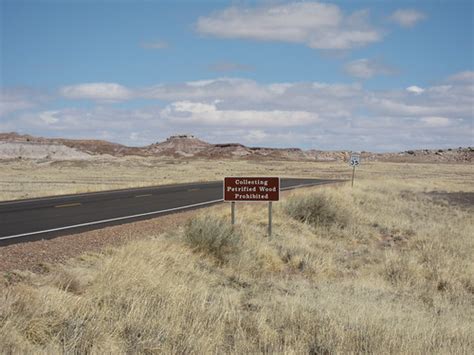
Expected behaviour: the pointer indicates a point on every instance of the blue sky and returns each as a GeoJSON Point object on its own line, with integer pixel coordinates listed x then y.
{"type": "Point", "coordinates": [361, 75]}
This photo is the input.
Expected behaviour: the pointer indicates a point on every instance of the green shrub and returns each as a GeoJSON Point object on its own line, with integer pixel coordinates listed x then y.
{"type": "Point", "coordinates": [212, 235]}
{"type": "Point", "coordinates": [316, 209]}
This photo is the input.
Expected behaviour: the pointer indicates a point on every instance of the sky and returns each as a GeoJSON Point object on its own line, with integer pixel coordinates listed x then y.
{"type": "Point", "coordinates": [374, 75]}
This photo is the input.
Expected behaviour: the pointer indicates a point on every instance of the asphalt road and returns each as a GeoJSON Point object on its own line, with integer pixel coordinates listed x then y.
{"type": "Point", "coordinates": [48, 217]}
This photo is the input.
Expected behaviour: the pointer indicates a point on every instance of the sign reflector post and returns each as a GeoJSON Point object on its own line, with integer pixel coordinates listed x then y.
{"type": "Point", "coordinates": [252, 189]}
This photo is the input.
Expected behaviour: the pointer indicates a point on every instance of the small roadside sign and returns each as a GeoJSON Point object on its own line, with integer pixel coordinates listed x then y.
{"type": "Point", "coordinates": [252, 189]}
{"type": "Point", "coordinates": [355, 161]}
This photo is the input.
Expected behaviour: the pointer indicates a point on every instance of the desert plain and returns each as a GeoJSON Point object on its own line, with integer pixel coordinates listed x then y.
{"type": "Point", "coordinates": [386, 266]}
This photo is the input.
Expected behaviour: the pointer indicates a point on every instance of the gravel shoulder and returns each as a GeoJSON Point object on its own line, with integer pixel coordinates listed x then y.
{"type": "Point", "coordinates": [34, 255]}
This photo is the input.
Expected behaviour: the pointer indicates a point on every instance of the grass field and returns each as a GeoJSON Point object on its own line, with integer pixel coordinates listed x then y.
{"type": "Point", "coordinates": [380, 268]}
{"type": "Point", "coordinates": [26, 179]}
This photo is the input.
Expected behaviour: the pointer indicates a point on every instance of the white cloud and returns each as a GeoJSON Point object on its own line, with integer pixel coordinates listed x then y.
{"type": "Point", "coordinates": [317, 25]}
{"type": "Point", "coordinates": [467, 76]}
{"type": "Point", "coordinates": [366, 68]}
{"type": "Point", "coordinates": [256, 136]}
{"type": "Point", "coordinates": [440, 89]}
{"type": "Point", "coordinates": [201, 83]}
{"type": "Point", "coordinates": [97, 91]}
{"type": "Point", "coordinates": [221, 88]}
{"type": "Point", "coordinates": [159, 44]}
{"type": "Point", "coordinates": [49, 117]}
{"type": "Point", "coordinates": [9, 104]}
{"type": "Point", "coordinates": [451, 101]}
{"type": "Point", "coordinates": [242, 93]}
{"type": "Point", "coordinates": [305, 114]}
{"type": "Point", "coordinates": [407, 17]}
{"type": "Point", "coordinates": [399, 108]}
{"type": "Point", "coordinates": [128, 126]}
{"type": "Point", "coordinates": [415, 90]}
{"type": "Point", "coordinates": [198, 113]}
{"type": "Point", "coordinates": [334, 100]}
{"type": "Point", "coordinates": [13, 100]}
{"type": "Point", "coordinates": [434, 121]}
{"type": "Point", "coordinates": [280, 88]}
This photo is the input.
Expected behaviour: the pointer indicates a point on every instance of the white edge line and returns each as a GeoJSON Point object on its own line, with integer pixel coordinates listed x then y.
{"type": "Point", "coordinates": [136, 189]}
{"type": "Point", "coordinates": [133, 216]}
{"type": "Point", "coordinates": [110, 220]}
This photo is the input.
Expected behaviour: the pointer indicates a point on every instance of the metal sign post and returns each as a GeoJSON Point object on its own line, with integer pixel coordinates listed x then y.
{"type": "Point", "coordinates": [353, 174]}
{"type": "Point", "coordinates": [245, 189]}
{"type": "Point", "coordinates": [232, 212]}
{"type": "Point", "coordinates": [355, 161]}
{"type": "Point", "coordinates": [270, 218]}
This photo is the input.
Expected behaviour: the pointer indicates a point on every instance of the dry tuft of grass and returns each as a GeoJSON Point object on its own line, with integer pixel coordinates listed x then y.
{"type": "Point", "coordinates": [396, 277]}
{"type": "Point", "coordinates": [317, 209]}
{"type": "Point", "coordinates": [212, 235]}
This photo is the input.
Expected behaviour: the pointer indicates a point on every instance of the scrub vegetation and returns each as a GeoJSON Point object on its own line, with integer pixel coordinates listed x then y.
{"type": "Point", "coordinates": [317, 209]}
{"type": "Point", "coordinates": [212, 235]}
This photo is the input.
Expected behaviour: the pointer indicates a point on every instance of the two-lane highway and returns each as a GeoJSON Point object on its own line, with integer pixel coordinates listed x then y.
{"type": "Point", "coordinates": [50, 216]}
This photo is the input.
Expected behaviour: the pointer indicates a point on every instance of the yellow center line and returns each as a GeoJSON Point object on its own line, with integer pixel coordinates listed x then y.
{"type": "Point", "coordinates": [68, 205]}
{"type": "Point", "coordinates": [193, 190]}
{"type": "Point", "coordinates": [145, 195]}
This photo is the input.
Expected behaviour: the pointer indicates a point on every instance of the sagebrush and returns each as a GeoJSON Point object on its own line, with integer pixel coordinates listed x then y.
{"type": "Point", "coordinates": [317, 209]}
{"type": "Point", "coordinates": [212, 235]}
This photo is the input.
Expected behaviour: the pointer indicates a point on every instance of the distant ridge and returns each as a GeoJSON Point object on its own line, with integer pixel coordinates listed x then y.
{"type": "Point", "coordinates": [89, 146]}
{"type": "Point", "coordinates": [14, 145]}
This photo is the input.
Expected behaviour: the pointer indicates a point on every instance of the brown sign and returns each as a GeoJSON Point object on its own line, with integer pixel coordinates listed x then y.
{"type": "Point", "coordinates": [251, 189]}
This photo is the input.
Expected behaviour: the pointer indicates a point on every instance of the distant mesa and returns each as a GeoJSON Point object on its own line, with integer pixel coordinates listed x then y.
{"type": "Point", "coordinates": [184, 145]}
{"type": "Point", "coordinates": [180, 136]}
{"type": "Point", "coordinates": [187, 146]}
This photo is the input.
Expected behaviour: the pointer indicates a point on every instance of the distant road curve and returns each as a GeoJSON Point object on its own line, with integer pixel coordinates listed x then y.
{"type": "Point", "coordinates": [41, 218]}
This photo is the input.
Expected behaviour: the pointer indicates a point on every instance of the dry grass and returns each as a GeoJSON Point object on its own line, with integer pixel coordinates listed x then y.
{"type": "Point", "coordinates": [27, 179]}
{"type": "Point", "coordinates": [317, 209]}
{"type": "Point", "coordinates": [214, 236]}
{"type": "Point", "coordinates": [397, 278]}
